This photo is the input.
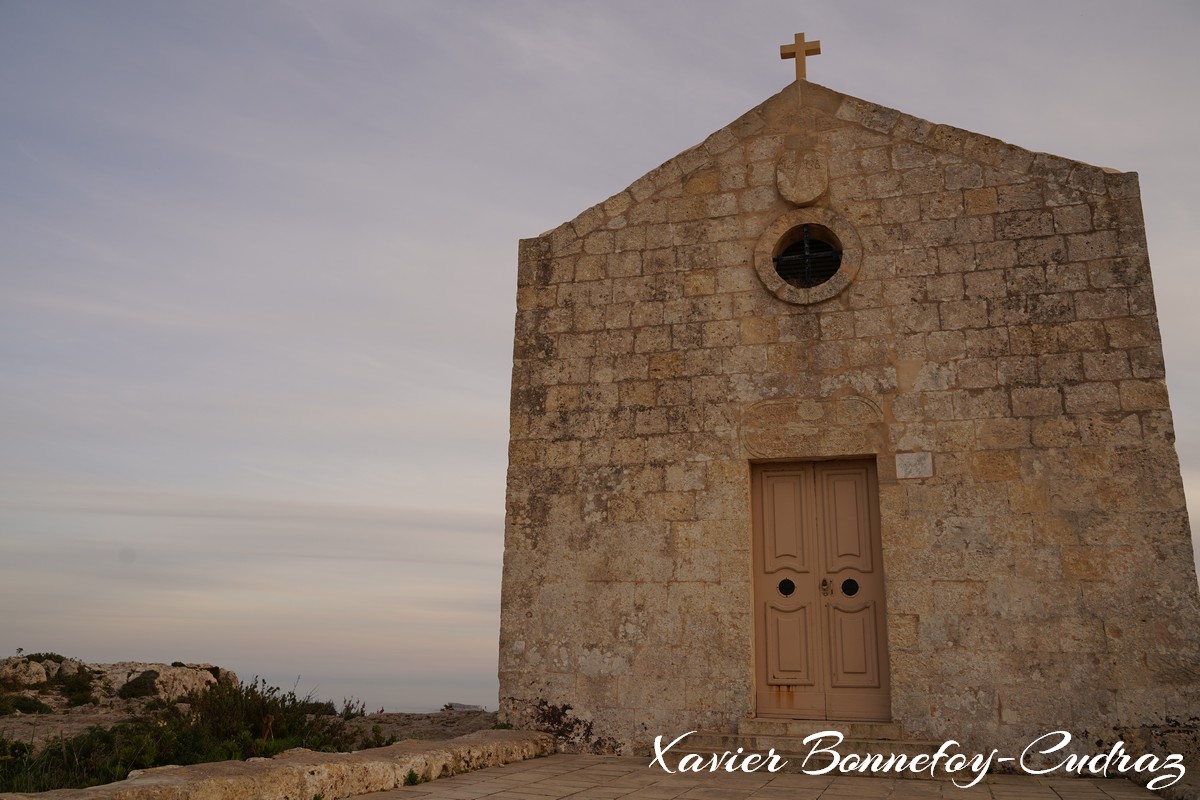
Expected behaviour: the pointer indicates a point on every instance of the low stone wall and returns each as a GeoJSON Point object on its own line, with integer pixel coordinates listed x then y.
{"type": "Point", "coordinates": [304, 774]}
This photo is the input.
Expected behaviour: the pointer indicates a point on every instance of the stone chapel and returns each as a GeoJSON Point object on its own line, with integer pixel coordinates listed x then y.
{"type": "Point", "coordinates": [843, 418]}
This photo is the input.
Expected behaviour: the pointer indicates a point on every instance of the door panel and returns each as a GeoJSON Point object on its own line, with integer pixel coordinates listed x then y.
{"type": "Point", "coordinates": [791, 655]}
{"type": "Point", "coordinates": [784, 507]}
{"type": "Point", "coordinates": [843, 496]}
{"type": "Point", "coordinates": [820, 640]}
{"type": "Point", "coordinates": [855, 655]}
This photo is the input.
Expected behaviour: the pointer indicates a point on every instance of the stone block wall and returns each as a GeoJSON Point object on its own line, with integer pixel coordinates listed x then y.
{"type": "Point", "coordinates": [997, 330]}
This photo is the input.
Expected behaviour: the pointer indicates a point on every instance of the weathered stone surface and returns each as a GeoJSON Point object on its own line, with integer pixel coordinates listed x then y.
{"type": "Point", "coordinates": [306, 774]}
{"type": "Point", "coordinates": [22, 672]}
{"type": "Point", "coordinates": [102, 704]}
{"type": "Point", "coordinates": [172, 682]}
{"type": "Point", "coordinates": [914, 465]}
{"type": "Point", "coordinates": [997, 318]}
{"type": "Point", "coordinates": [802, 176]}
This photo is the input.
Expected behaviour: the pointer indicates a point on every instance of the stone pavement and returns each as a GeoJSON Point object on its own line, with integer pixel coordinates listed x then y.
{"type": "Point", "coordinates": [581, 777]}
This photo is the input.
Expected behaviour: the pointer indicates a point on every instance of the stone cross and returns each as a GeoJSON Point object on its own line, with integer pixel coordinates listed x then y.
{"type": "Point", "coordinates": [799, 51]}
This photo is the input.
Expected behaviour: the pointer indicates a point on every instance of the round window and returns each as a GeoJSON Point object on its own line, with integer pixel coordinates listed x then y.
{"type": "Point", "coordinates": [808, 256]}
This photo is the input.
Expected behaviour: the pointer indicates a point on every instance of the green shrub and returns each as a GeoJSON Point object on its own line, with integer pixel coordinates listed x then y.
{"type": "Point", "coordinates": [143, 685]}
{"type": "Point", "coordinates": [41, 657]}
{"type": "Point", "coordinates": [225, 722]}
{"type": "Point", "coordinates": [77, 687]}
{"type": "Point", "coordinates": [376, 739]}
{"type": "Point", "coordinates": [29, 705]}
{"type": "Point", "coordinates": [318, 708]}
{"type": "Point", "coordinates": [412, 778]}
{"type": "Point", "coordinates": [75, 699]}
{"type": "Point", "coordinates": [352, 708]}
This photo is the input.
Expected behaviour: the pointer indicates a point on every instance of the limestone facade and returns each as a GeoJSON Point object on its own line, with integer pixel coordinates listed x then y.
{"type": "Point", "coordinates": [990, 340]}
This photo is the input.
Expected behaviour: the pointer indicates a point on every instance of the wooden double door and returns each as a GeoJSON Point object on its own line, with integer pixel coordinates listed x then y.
{"type": "Point", "coordinates": [819, 616]}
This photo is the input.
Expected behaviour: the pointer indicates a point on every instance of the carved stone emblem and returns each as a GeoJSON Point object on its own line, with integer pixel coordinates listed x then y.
{"type": "Point", "coordinates": [795, 427]}
{"type": "Point", "coordinates": [802, 176]}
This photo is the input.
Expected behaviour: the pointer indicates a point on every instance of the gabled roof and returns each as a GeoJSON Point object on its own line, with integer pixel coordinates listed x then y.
{"type": "Point", "coordinates": [803, 110]}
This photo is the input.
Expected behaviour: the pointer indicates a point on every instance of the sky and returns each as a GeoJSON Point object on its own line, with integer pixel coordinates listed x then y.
{"type": "Point", "coordinates": [258, 270]}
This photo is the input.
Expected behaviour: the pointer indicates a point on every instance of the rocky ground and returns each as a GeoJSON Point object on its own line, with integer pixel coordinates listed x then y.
{"type": "Point", "coordinates": [441, 725]}
{"type": "Point", "coordinates": [72, 696]}
{"type": "Point", "coordinates": [78, 696]}
{"type": "Point", "coordinates": [41, 729]}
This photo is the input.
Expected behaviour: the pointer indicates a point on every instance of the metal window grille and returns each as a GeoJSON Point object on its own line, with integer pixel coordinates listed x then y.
{"type": "Point", "coordinates": [808, 262]}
